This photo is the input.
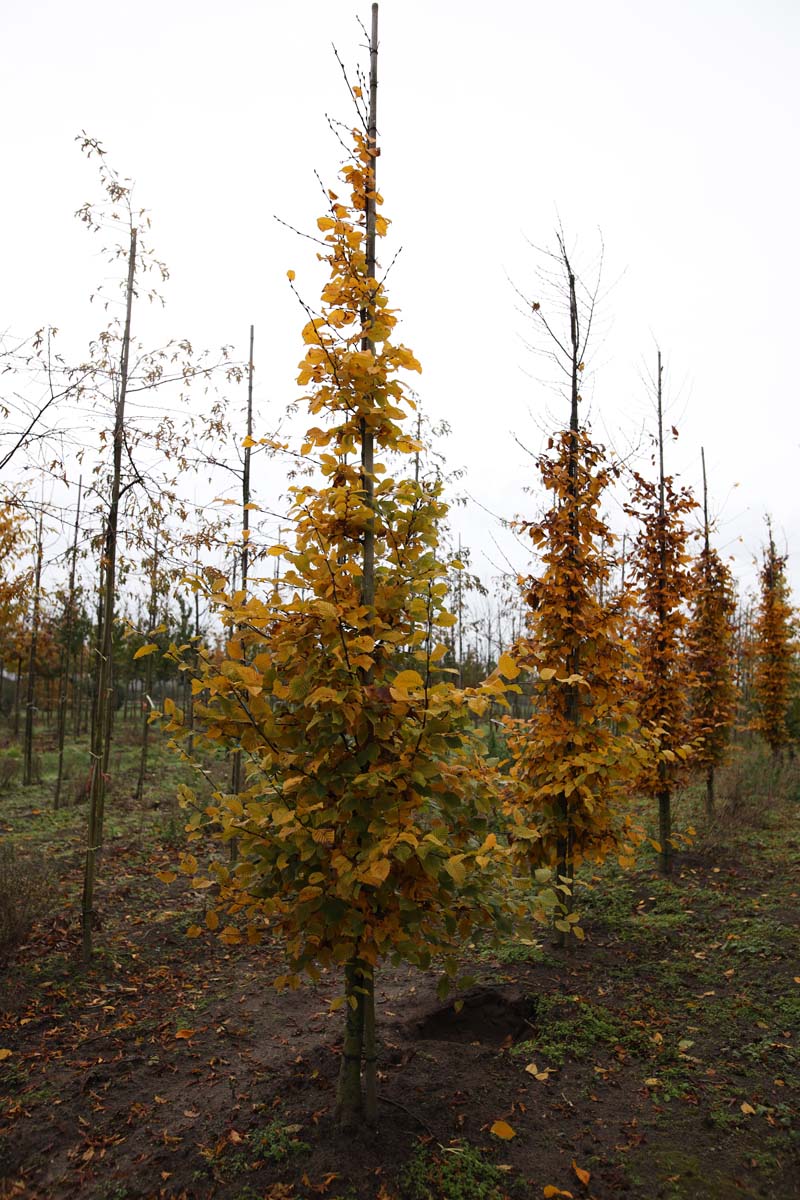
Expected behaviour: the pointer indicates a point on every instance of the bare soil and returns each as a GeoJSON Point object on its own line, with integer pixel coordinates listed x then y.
{"type": "Point", "coordinates": [660, 1056]}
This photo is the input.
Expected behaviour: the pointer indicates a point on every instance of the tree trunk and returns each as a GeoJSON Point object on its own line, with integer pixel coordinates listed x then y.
{"type": "Point", "coordinates": [69, 618]}
{"type": "Point", "coordinates": [236, 765]}
{"type": "Point", "coordinates": [148, 675]}
{"type": "Point", "coordinates": [352, 1107]}
{"type": "Point", "coordinates": [665, 792]}
{"type": "Point", "coordinates": [30, 704]}
{"type": "Point", "coordinates": [105, 691]}
{"type": "Point", "coordinates": [349, 1100]}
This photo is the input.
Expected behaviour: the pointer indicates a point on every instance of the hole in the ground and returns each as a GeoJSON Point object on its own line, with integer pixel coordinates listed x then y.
{"type": "Point", "coordinates": [488, 1016]}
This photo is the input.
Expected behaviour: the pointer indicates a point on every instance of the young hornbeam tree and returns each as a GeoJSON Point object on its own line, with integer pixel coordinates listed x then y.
{"type": "Point", "coordinates": [13, 584]}
{"type": "Point", "coordinates": [147, 452]}
{"type": "Point", "coordinates": [773, 647]}
{"type": "Point", "coordinates": [711, 656]}
{"type": "Point", "coordinates": [104, 699]}
{"type": "Point", "coordinates": [575, 757]}
{"type": "Point", "coordinates": [362, 826]}
{"type": "Point", "coordinates": [659, 571]}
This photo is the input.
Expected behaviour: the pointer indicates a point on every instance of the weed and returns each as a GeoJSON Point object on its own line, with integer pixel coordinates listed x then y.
{"type": "Point", "coordinates": [571, 1028]}
{"type": "Point", "coordinates": [276, 1141]}
{"type": "Point", "coordinates": [27, 891]}
{"type": "Point", "coordinates": [459, 1173]}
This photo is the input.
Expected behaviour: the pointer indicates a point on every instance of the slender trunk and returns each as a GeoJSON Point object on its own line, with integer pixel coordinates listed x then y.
{"type": "Point", "coordinates": [370, 1051]}
{"type": "Point", "coordinates": [564, 846]}
{"type": "Point", "coordinates": [349, 1101]}
{"type": "Point", "coordinates": [665, 791]}
{"type": "Point", "coordinates": [148, 675]}
{"type": "Point", "coordinates": [69, 620]}
{"type": "Point", "coordinates": [30, 703]}
{"type": "Point", "coordinates": [77, 699]}
{"type": "Point", "coordinates": [105, 691]}
{"type": "Point", "coordinates": [17, 695]}
{"type": "Point", "coordinates": [236, 765]}
{"type": "Point", "coordinates": [353, 1108]}
{"type": "Point", "coordinates": [707, 569]}
{"type": "Point", "coordinates": [195, 658]}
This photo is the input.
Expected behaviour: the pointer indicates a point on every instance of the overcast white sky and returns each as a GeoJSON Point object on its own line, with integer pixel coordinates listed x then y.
{"type": "Point", "coordinates": [672, 129]}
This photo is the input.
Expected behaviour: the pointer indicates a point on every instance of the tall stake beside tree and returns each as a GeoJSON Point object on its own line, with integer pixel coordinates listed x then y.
{"type": "Point", "coordinates": [363, 822]}
{"type": "Point", "coordinates": [574, 758]}
{"type": "Point", "coordinates": [236, 763]}
{"type": "Point", "coordinates": [773, 647]}
{"type": "Point", "coordinates": [659, 571]}
{"type": "Point", "coordinates": [711, 651]}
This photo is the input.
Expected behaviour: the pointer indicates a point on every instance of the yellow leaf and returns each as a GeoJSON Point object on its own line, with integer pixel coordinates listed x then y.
{"type": "Point", "coordinates": [582, 1174]}
{"type": "Point", "coordinates": [455, 869]}
{"type": "Point", "coordinates": [290, 276]}
{"type": "Point", "coordinates": [166, 876]}
{"type": "Point", "coordinates": [503, 1130]}
{"type": "Point", "coordinates": [542, 1076]}
{"type": "Point", "coordinates": [185, 1034]}
{"type": "Point", "coordinates": [230, 935]}
{"type": "Point", "coordinates": [507, 667]}
{"type": "Point", "coordinates": [376, 872]}
{"type": "Point", "coordinates": [747, 1109]}
{"type": "Point", "coordinates": [550, 1190]}
{"type": "Point", "coordinates": [193, 931]}
{"type": "Point", "coordinates": [4, 1054]}
{"type": "Point", "coordinates": [248, 442]}
{"type": "Point", "coordinates": [212, 920]}
{"type": "Point", "coordinates": [143, 651]}
{"type": "Point", "coordinates": [407, 680]}
{"type": "Point", "coordinates": [652, 1082]}
{"type": "Point", "coordinates": [547, 673]}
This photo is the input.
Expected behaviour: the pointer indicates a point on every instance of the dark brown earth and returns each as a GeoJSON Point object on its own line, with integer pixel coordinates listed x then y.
{"type": "Point", "coordinates": [666, 1045]}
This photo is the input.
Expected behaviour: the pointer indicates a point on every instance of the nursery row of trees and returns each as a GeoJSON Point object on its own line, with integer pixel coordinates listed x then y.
{"type": "Point", "coordinates": [366, 817]}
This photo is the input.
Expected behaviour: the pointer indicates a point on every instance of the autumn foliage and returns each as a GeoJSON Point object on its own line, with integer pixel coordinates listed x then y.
{"type": "Point", "coordinates": [575, 757]}
{"type": "Point", "coordinates": [710, 646]}
{"type": "Point", "coordinates": [661, 576]}
{"type": "Point", "coordinates": [773, 644]}
{"type": "Point", "coordinates": [363, 823]}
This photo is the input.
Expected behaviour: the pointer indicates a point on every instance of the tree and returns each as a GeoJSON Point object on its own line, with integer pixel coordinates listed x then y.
{"type": "Point", "coordinates": [773, 638]}
{"type": "Point", "coordinates": [130, 484]}
{"type": "Point", "coordinates": [574, 758]}
{"type": "Point", "coordinates": [362, 826]}
{"type": "Point", "coordinates": [14, 538]}
{"type": "Point", "coordinates": [710, 646]}
{"type": "Point", "coordinates": [660, 574]}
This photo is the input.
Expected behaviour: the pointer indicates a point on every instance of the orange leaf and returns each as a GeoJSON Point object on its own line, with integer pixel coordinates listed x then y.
{"type": "Point", "coordinates": [503, 1130]}
{"type": "Point", "coordinates": [185, 1034]}
{"type": "Point", "coordinates": [582, 1174]}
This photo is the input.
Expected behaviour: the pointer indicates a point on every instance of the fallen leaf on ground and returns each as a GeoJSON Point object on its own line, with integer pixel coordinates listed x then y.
{"type": "Point", "coordinates": [503, 1130]}
{"type": "Point", "coordinates": [581, 1172]}
{"type": "Point", "coordinates": [542, 1076]}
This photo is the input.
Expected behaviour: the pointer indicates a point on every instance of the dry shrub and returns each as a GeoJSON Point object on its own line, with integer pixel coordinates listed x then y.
{"type": "Point", "coordinates": [27, 891]}
{"type": "Point", "coordinates": [9, 769]}
{"type": "Point", "coordinates": [751, 785]}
